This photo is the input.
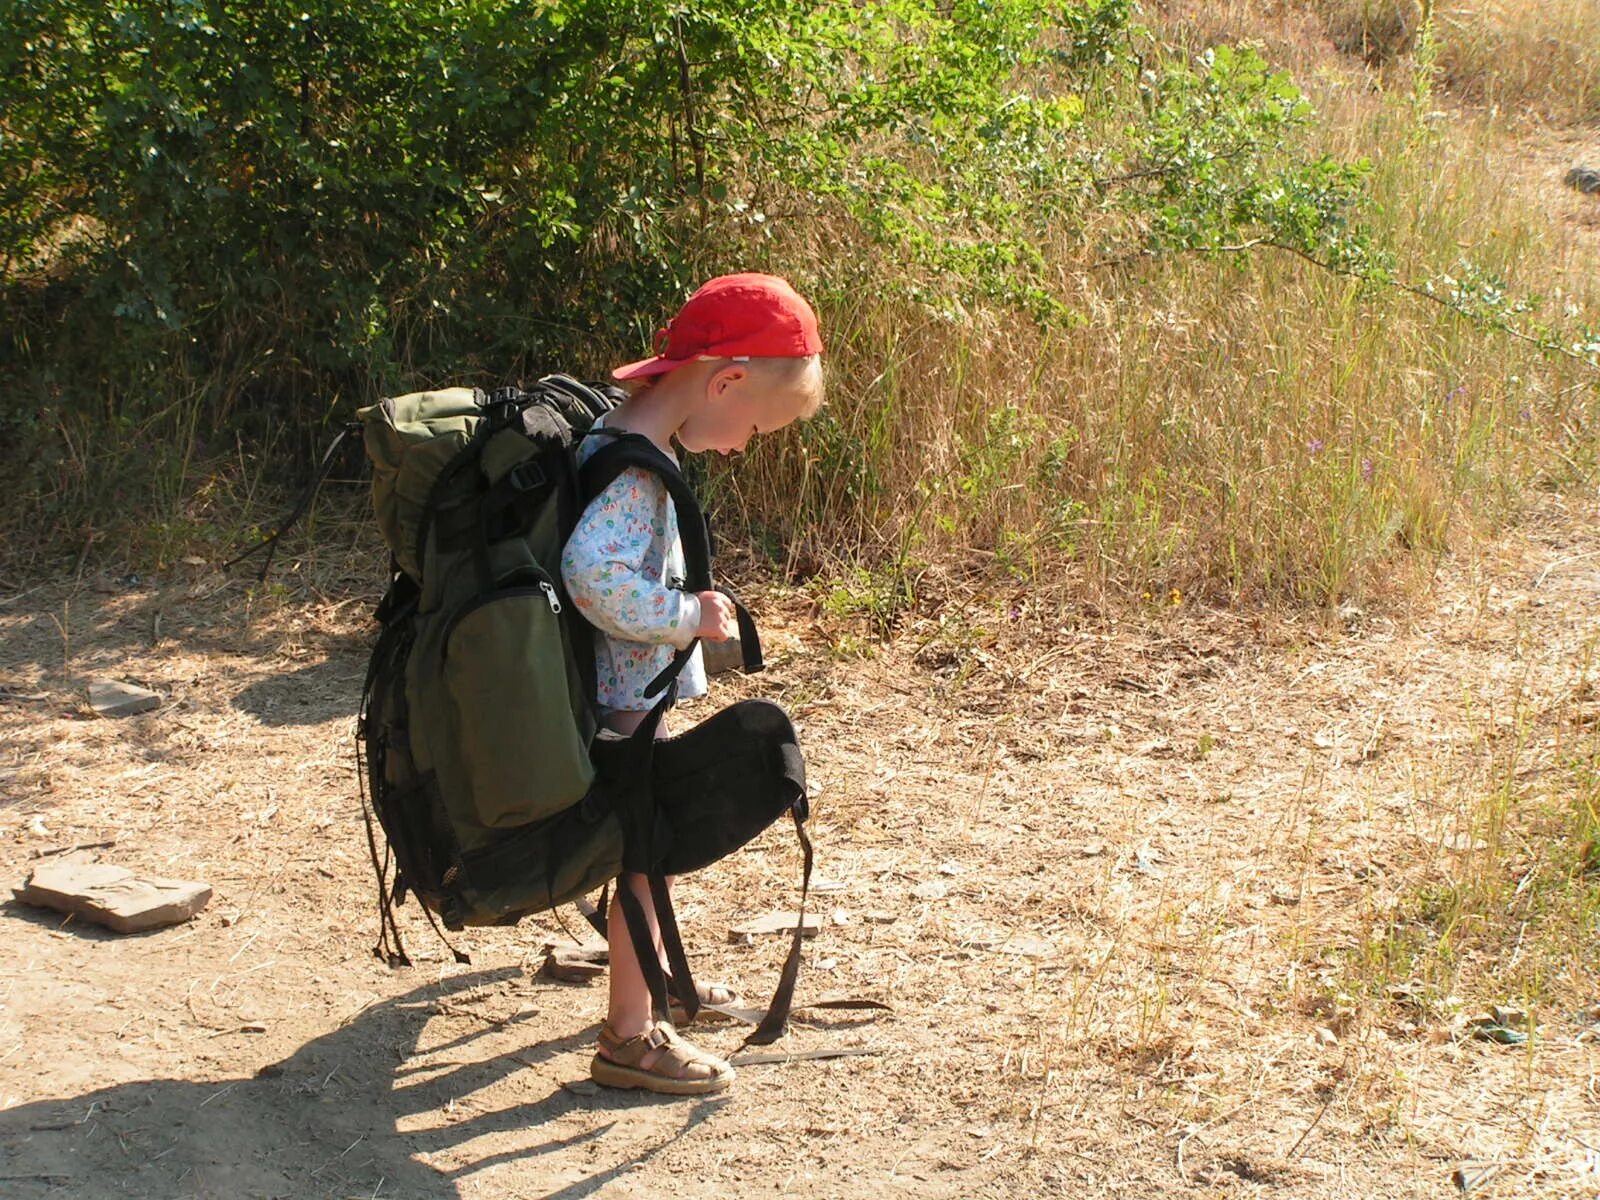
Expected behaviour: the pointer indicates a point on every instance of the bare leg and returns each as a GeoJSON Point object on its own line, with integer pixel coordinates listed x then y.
{"type": "Point", "coordinates": [629, 1001]}
{"type": "Point", "coordinates": [629, 1006]}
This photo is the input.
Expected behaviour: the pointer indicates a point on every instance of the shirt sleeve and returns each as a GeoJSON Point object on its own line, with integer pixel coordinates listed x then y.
{"type": "Point", "coordinates": [606, 565]}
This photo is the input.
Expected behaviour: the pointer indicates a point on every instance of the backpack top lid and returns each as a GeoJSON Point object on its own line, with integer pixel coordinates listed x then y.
{"type": "Point", "coordinates": [411, 439]}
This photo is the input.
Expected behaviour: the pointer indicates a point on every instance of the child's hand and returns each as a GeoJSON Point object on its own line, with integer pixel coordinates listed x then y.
{"type": "Point", "coordinates": [718, 623]}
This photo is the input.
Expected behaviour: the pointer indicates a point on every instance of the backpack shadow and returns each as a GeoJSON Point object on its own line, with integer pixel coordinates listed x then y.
{"type": "Point", "coordinates": [319, 692]}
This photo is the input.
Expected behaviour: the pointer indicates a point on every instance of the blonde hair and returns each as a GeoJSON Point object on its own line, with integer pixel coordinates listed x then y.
{"type": "Point", "coordinates": [800, 376]}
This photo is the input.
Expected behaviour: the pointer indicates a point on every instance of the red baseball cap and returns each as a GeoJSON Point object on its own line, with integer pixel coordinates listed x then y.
{"type": "Point", "coordinates": [734, 316]}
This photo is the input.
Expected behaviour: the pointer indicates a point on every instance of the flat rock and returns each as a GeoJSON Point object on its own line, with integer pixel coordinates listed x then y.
{"type": "Point", "coordinates": [772, 923]}
{"type": "Point", "coordinates": [576, 964]}
{"type": "Point", "coordinates": [1026, 947]}
{"type": "Point", "coordinates": [116, 698]}
{"type": "Point", "coordinates": [114, 896]}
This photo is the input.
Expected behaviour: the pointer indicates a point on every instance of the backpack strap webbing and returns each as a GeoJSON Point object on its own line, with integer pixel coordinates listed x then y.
{"type": "Point", "coordinates": [776, 1023]}
{"type": "Point", "coordinates": [397, 604]}
{"type": "Point", "coordinates": [621, 452]}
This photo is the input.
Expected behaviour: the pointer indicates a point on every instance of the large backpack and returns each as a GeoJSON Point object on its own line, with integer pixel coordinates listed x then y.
{"type": "Point", "coordinates": [492, 790]}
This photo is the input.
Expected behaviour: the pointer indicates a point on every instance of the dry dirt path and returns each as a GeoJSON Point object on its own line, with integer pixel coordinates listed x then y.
{"type": "Point", "coordinates": [1116, 879]}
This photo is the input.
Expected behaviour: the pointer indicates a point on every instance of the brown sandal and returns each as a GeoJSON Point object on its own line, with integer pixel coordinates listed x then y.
{"type": "Point", "coordinates": [681, 1069]}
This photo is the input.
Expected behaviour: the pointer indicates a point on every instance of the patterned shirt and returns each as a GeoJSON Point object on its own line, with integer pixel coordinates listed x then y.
{"type": "Point", "coordinates": [620, 566]}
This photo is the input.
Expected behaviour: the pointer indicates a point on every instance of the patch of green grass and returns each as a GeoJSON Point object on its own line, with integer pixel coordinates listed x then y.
{"type": "Point", "coordinates": [1510, 908]}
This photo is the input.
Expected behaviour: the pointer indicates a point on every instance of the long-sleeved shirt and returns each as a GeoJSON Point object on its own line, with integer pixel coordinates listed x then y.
{"type": "Point", "coordinates": [621, 567]}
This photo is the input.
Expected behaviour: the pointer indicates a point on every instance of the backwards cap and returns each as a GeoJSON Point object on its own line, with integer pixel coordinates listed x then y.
{"type": "Point", "coordinates": [734, 316]}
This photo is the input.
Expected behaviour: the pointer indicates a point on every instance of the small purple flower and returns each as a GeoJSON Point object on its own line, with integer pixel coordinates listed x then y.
{"type": "Point", "coordinates": [1366, 469]}
{"type": "Point", "coordinates": [1315, 446]}
{"type": "Point", "coordinates": [1525, 415]}
{"type": "Point", "coordinates": [1456, 393]}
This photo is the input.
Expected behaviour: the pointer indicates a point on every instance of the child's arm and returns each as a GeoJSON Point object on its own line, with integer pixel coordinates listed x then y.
{"type": "Point", "coordinates": [603, 567]}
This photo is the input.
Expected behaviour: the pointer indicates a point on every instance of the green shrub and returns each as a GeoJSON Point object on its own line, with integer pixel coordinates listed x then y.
{"type": "Point", "coordinates": [229, 220]}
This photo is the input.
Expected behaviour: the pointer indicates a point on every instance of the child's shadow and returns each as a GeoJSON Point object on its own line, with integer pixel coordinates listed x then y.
{"type": "Point", "coordinates": [324, 1122]}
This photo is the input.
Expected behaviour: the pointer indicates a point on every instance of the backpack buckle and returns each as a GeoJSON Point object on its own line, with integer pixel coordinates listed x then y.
{"type": "Point", "coordinates": [527, 476]}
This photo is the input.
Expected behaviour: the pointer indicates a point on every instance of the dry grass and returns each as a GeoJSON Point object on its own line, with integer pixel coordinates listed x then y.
{"type": "Point", "coordinates": [1523, 58]}
{"type": "Point", "coordinates": [1248, 428]}
{"type": "Point", "coordinates": [1540, 59]}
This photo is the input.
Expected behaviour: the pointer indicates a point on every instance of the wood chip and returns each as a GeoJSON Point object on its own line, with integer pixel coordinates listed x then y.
{"type": "Point", "coordinates": [773, 923]}
{"type": "Point", "coordinates": [1025, 947]}
{"type": "Point", "coordinates": [779, 1056]}
{"type": "Point", "coordinates": [1469, 1176]}
{"type": "Point", "coordinates": [114, 896]}
{"type": "Point", "coordinates": [1512, 1018]}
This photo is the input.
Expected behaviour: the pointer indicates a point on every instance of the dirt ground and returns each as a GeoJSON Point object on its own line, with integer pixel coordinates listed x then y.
{"type": "Point", "coordinates": [1110, 873]}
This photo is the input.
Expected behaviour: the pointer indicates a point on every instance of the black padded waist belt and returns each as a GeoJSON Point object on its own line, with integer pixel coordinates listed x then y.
{"type": "Point", "coordinates": [687, 801]}
{"type": "Point", "coordinates": [720, 784]}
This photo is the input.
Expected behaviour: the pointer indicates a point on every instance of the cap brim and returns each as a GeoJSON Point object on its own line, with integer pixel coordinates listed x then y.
{"type": "Point", "coordinates": [646, 367]}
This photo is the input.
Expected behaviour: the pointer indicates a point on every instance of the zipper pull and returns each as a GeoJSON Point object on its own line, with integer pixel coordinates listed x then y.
{"type": "Point", "coordinates": [550, 595]}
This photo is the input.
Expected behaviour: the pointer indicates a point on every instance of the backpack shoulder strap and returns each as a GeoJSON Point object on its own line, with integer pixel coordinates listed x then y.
{"type": "Point", "coordinates": [623, 451]}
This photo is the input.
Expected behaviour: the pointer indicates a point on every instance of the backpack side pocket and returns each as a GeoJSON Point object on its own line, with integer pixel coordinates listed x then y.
{"type": "Point", "coordinates": [518, 742]}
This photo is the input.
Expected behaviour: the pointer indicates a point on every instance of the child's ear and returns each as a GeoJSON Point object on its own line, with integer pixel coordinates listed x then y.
{"type": "Point", "coordinates": [726, 377]}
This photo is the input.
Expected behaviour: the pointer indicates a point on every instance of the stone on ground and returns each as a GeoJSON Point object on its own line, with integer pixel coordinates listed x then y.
{"type": "Point", "coordinates": [114, 896]}
{"type": "Point", "coordinates": [116, 698]}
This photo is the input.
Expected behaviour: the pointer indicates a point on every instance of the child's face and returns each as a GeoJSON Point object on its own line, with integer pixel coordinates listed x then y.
{"type": "Point", "coordinates": [736, 407]}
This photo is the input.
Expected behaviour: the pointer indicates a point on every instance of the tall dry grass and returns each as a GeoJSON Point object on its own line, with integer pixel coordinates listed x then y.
{"type": "Point", "coordinates": [1540, 57]}
{"type": "Point", "coordinates": [1537, 58]}
{"type": "Point", "coordinates": [1244, 427]}
{"type": "Point", "coordinates": [1523, 58]}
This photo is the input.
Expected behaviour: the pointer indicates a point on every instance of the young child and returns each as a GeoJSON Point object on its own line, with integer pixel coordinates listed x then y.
{"type": "Point", "coordinates": [742, 357]}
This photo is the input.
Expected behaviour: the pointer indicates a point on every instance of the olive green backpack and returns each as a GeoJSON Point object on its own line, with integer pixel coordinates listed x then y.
{"type": "Point", "coordinates": [493, 794]}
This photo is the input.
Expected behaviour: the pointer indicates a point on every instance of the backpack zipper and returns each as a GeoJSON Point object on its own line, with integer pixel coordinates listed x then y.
{"type": "Point", "coordinates": [544, 588]}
